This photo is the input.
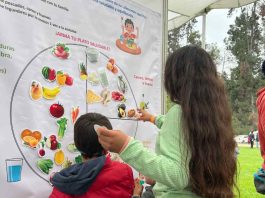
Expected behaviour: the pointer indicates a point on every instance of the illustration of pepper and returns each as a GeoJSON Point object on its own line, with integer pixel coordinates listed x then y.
{"type": "Point", "coordinates": [62, 127]}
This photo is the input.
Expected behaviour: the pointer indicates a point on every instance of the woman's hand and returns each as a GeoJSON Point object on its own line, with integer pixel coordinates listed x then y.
{"type": "Point", "coordinates": [145, 116]}
{"type": "Point", "coordinates": [112, 140]}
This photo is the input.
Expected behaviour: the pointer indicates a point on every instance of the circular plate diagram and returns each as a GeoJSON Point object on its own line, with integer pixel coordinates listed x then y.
{"type": "Point", "coordinates": [57, 86]}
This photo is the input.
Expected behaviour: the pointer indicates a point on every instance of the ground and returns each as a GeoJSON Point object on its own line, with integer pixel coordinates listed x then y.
{"type": "Point", "coordinates": [249, 161]}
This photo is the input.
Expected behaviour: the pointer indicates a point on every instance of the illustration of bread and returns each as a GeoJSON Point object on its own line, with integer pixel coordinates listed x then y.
{"type": "Point", "coordinates": [35, 90]}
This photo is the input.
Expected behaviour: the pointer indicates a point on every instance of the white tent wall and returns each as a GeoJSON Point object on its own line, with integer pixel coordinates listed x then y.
{"type": "Point", "coordinates": [160, 6]}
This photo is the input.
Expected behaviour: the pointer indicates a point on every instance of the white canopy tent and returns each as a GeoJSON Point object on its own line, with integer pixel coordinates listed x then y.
{"type": "Point", "coordinates": [181, 11]}
{"type": "Point", "coordinates": [177, 12]}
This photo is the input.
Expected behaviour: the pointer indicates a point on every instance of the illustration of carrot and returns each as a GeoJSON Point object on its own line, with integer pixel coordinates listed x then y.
{"type": "Point", "coordinates": [74, 113]}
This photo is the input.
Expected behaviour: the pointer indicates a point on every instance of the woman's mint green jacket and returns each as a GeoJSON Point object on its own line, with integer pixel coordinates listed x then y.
{"type": "Point", "coordinates": [168, 164]}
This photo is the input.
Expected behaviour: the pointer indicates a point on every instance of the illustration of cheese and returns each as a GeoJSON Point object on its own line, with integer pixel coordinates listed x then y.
{"type": "Point", "coordinates": [92, 97]}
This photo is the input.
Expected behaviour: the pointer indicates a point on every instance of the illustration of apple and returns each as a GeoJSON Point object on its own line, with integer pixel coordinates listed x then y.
{"type": "Point", "coordinates": [69, 80]}
{"type": "Point", "coordinates": [56, 110]}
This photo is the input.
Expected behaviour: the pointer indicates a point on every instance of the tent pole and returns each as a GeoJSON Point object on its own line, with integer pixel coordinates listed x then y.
{"type": "Point", "coordinates": [164, 53]}
{"type": "Point", "coordinates": [204, 30]}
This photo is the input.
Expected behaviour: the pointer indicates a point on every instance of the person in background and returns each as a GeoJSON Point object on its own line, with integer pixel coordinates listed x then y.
{"type": "Point", "coordinates": [260, 103]}
{"type": "Point", "coordinates": [251, 138]}
{"type": "Point", "coordinates": [237, 151]}
{"type": "Point", "coordinates": [97, 176]}
{"type": "Point", "coordinates": [195, 148]}
{"type": "Point", "coordinates": [257, 140]}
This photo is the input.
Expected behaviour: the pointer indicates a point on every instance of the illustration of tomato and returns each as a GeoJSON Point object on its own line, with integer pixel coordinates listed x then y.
{"type": "Point", "coordinates": [56, 110]}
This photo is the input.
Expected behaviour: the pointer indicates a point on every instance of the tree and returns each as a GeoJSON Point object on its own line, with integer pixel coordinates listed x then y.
{"type": "Point", "coordinates": [244, 41]}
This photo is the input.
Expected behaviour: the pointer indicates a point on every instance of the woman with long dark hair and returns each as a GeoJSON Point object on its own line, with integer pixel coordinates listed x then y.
{"type": "Point", "coordinates": [195, 146]}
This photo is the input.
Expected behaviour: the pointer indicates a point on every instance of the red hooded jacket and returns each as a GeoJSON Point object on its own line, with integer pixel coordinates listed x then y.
{"type": "Point", "coordinates": [113, 179]}
{"type": "Point", "coordinates": [261, 121]}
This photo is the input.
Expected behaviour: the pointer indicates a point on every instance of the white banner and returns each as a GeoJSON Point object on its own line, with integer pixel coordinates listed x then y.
{"type": "Point", "coordinates": [61, 59]}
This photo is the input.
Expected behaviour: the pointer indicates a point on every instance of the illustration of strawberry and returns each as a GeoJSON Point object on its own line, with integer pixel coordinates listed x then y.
{"type": "Point", "coordinates": [61, 51]}
{"type": "Point", "coordinates": [64, 55]}
{"type": "Point", "coordinates": [60, 48]}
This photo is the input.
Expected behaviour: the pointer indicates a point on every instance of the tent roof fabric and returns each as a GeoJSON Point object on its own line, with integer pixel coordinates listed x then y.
{"type": "Point", "coordinates": [181, 11]}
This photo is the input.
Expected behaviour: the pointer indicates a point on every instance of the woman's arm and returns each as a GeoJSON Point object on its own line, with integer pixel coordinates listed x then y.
{"type": "Point", "coordinates": [164, 170]}
{"type": "Point", "coordinates": [146, 116]}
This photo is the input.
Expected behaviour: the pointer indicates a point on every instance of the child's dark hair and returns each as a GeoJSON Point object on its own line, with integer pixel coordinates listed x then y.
{"type": "Point", "coordinates": [128, 21]}
{"type": "Point", "coordinates": [85, 136]}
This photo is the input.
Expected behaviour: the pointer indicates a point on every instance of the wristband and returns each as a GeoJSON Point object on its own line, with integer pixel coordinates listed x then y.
{"type": "Point", "coordinates": [152, 119]}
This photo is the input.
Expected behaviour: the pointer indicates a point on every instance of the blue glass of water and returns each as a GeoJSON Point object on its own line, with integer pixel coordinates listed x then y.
{"type": "Point", "coordinates": [13, 169]}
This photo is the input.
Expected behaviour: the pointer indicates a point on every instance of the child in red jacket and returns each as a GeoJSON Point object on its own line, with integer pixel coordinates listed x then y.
{"type": "Point", "coordinates": [97, 176]}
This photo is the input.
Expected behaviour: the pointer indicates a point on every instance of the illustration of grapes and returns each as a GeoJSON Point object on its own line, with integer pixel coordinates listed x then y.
{"type": "Point", "coordinates": [58, 85]}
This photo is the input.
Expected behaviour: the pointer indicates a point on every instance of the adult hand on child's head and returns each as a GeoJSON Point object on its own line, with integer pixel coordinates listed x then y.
{"type": "Point", "coordinates": [112, 140]}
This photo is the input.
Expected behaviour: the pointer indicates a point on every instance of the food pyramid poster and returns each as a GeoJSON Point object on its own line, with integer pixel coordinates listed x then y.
{"type": "Point", "coordinates": [59, 60]}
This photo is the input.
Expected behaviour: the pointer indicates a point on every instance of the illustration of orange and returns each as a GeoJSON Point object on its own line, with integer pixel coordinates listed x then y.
{"type": "Point", "coordinates": [61, 78]}
{"type": "Point", "coordinates": [28, 139]}
{"type": "Point", "coordinates": [25, 132]}
{"type": "Point", "coordinates": [37, 135]}
{"type": "Point", "coordinates": [33, 142]}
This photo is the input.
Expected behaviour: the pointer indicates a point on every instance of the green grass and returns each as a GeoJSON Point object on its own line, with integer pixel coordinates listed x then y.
{"type": "Point", "coordinates": [249, 162]}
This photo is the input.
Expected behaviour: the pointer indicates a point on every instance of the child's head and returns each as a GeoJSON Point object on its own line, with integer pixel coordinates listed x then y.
{"type": "Point", "coordinates": [129, 25]}
{"type": "Point", "coordinates": [85, 136]}
{"type": "Point", "coordinates": [186, 69]}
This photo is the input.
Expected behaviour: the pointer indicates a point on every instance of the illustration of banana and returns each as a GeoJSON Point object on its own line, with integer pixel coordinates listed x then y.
{"type": "Point", "coordinates": [50, 93]}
